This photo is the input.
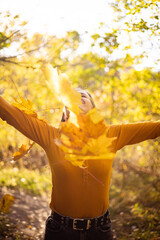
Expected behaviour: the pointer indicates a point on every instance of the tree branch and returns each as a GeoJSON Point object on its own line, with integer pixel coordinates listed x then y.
{"type": "Point", "coordinates": [20, 54]}
{"type": "Point", "coordinates": [5, 39]}
{"type": "Point", "coordinates": [16, 63]}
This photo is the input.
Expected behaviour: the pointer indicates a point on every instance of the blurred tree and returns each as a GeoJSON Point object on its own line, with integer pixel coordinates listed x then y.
{"type": "Point", "coordinates": [143, 15]}
{"type": "Point", "coordinates": [12, 34]}
{"type": "Point", "coordinates": [21, 57]}
{"type": "Point", "coordinates": [135, 31]}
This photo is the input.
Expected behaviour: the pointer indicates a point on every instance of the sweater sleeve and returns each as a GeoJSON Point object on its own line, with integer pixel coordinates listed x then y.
{"type": "Point", "coordinates": [33, 128]}
{"type": "Point", "coordinates": [128, 134]}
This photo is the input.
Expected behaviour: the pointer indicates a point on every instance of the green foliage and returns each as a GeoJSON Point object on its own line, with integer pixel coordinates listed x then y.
{"type": "Point", "coordinates": [33, 182]}
{"type": "Point", "coordinates": [122, 93]}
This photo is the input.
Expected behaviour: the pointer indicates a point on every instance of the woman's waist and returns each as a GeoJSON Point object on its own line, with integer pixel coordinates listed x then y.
{"type": "Point", "coordinates": [80, 207]}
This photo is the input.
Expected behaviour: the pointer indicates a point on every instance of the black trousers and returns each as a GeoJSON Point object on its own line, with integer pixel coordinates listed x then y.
{"type": "Point", "coordinates": [56, 231]}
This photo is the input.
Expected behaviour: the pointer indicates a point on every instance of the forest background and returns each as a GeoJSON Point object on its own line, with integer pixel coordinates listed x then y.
{"type": "Point", "coordinates": [121, 70]}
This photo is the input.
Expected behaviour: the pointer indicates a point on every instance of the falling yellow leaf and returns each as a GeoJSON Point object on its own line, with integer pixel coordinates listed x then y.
{"type": "Point", "coordinates": [70, 97]}
{"type": "Point", "coordinates": [93, 125]}
{"type": "Point", "coordinates": [87, 141]}
{"type": "Point", "coordinates": [52, 79]}
{"type": "Point", "coordinates": [61, 88]}
{"type": "Point", "coordinates": [75, 136]}
{"type": "Point", "coordinates": [97, 146]}
{"type": "Point", "coordinates": [22, 151]}
{"type": "Point", "coordinates": [95, 116]}
{"type": "Point", "coordinates": [25, 106]}
{"type": "Point", "coordinates": [6, 202]}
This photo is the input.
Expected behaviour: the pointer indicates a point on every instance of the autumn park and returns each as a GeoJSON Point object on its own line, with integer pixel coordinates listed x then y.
{"type": "Point", "coordinates": [118, 63]}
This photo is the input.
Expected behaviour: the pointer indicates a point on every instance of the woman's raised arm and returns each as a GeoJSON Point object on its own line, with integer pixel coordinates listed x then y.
{"type": "Point", "coordinates": [128, 134]}
{"type": "Point", "coordinates": [33, 128]}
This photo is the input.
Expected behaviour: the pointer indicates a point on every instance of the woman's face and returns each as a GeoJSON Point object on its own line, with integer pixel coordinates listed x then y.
{"type": "Point", "coordinates": [86, 105]}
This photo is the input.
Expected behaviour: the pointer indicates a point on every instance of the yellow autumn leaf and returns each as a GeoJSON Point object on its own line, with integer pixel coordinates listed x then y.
{"type": "Point", "coordinates": [76, 137]}
{"type": "Point", "coordinates": [52, 79]}
{"type": "Point", "coordinates": [25, 106]}
{"type": "Point", "coordinates": [95, 116]}
{"type": "Point", "coordinates": [60, 86]}
{"type": "Point", "coordinates": [97, 146]}
{"type": "Point", "coordinates": [87, 141]}
{"type": "Point", "coordinates": [6, 202]}
{"type": "Point", "coordinates": [94, 149]}
{"type": "Point", "coordinates": [22, 151]}
{"type": "Point", "coordinates": [91, 127]}
{"type": "Point", "coordinates": [70, 97]}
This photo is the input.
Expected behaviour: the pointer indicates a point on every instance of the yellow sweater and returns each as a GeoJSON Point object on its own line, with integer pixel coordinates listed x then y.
{"type": "Point", "coordinates": [75, 193]}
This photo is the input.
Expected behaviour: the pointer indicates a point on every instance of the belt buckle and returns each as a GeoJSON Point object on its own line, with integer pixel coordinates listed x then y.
{"type": "Point", "coordinates": [75, 222]}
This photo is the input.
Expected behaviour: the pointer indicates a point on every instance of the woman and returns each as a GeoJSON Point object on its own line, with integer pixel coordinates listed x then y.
{"type": "Point", "coordinates": [79, 203]}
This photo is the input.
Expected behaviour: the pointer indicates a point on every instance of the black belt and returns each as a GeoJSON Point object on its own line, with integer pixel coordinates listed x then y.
{"type": "Point", "coordinates": [81, 224]}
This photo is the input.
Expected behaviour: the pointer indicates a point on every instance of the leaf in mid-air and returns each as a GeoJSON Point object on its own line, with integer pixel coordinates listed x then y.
{"type": "Point", "coordinates": [60, 86]}
{"type": "Point", "coordinates": [70, 97]}
{"type": "Point", "coordinates": [92, 123]}
{"type": "Point", "coordinates": [87, 141]}
{"type": "Point", "coordinates": [52, 79]}
{"type": "Point", "coordinates": [25, 106]}
{"type": "Point", "coordinates": [22, 151]}
{"type": "Point", "coordinates": [6, 202]}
